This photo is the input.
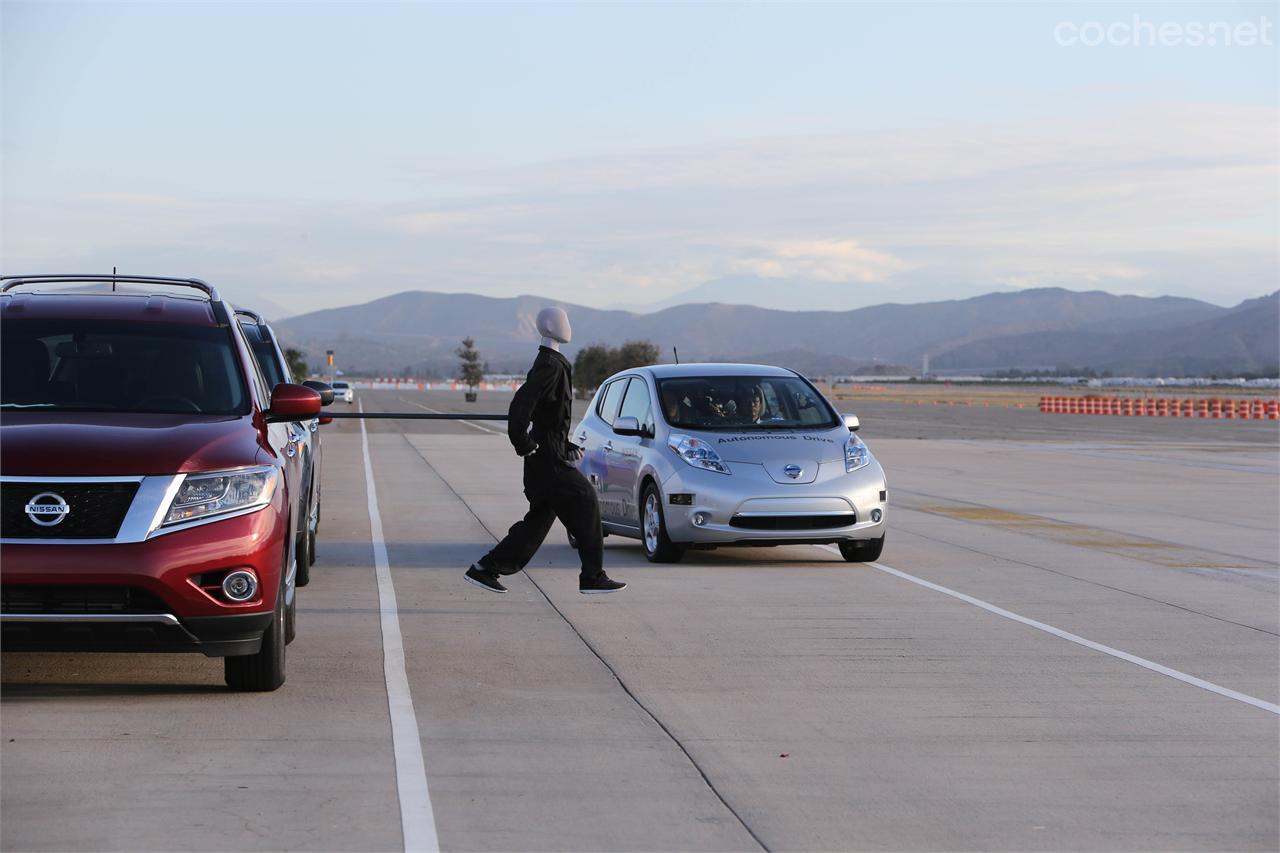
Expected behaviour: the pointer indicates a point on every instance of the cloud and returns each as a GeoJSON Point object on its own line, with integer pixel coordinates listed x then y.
{"type": "Point", "coordinates": [822, 260]}
{"type": "Point", "coordinates": [1173, 198]}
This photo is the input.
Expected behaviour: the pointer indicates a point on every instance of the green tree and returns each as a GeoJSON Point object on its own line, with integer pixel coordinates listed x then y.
{"type": "Point", "coordinates": [470, 368]}
{"type": "Point", "coordinates": [591, 366]}
{"type": "Point", "coordinates": [297, 360]}
{"type": "Point", "coordinates": [635, 354]}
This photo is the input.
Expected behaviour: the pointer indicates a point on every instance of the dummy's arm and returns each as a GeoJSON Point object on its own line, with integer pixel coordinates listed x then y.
{"type": "Point", "coordinates": [539, 383]}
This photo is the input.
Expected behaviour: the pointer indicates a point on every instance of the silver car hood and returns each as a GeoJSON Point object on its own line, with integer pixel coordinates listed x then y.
{"type": "Point", "coordinates": [780, 452]}
{"type": "Point", "coordinates": [778, 448]}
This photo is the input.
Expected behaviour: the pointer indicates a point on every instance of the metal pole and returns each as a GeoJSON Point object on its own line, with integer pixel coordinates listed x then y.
{"type": "Point", "coordinates": [413, 416]}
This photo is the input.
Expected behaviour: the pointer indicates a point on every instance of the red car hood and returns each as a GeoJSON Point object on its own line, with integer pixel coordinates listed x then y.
{"type": "Point", "coordinates": [99, 444]}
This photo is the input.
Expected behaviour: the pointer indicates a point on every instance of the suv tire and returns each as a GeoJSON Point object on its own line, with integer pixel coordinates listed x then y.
{"type": "Point", "coordinates": [304, 555]}
{"type": "Point", "coordinates": [264, 671]}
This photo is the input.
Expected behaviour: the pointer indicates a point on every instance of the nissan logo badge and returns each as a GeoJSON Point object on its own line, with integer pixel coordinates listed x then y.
{"type": "Point", "coordinates": [47, 509]}
{"type": "Point", "coordinates": [793, 471]}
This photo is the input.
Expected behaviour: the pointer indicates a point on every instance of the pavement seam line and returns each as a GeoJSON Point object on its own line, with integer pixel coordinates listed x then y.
{"type": "Point", "coordinates": [486, 429]}
{"type": "Point", "coordinates": [417, 820]}
{"type": "Point", "coordinates": [1051, 520]}
{"type": "Point", "coordinates": [1078, 640]}
{"type": "Point", "coordinates": [1062, 574]}
{"type": "Point", "coordinates": [585, 642]}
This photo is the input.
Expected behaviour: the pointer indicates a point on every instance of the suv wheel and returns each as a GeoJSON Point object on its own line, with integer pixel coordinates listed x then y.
{"type": "Point", "coordinates": [658, 547]}
{"type": "Point", "coordinates": [313, 525]}
{"type": "Point", "coordinates": [862, 550]}
{"type": "Point", "coordinates": [291, 620]}
{"type": "Point", "coordinates": [263, 671]}
{"type": "Point", "coordinates": [305, 556]}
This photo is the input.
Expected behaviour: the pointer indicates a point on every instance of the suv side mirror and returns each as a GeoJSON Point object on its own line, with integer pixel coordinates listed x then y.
{"type": "Point", "coordinates": [293, 403]}
{"type": "Point", "coordinates": [323, 389]}
{"type": "Point", "coordinates": [852, 422]}
{"type": "Point", "coordinates": [627, 426]}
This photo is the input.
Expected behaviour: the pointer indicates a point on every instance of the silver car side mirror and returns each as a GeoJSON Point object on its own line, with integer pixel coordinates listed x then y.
{"type": "Point", "coordinates": [852, 422]}
{"type": "Point", "coordinates": [627, 426]}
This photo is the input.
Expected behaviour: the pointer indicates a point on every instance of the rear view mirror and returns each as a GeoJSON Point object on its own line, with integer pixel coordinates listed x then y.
{"type": "Point", "coordinates": [321, 388]}
{"type": "Point", "coordinates": [852, 422]}
{"type": "Point", "coordinates": [627, 426]}
{"type": "Point", "coordinates": [84, 349]}
{"type": "Point", "coordinates": [293, 403]}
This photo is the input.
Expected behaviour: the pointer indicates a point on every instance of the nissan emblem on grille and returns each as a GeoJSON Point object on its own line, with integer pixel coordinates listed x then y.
{"type": "Point", "coordinates": [793, 471]}
{"type": "Point", "coordinates": [47, 509]}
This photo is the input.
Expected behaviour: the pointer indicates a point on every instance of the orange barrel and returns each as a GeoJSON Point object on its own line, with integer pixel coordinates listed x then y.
{"type": "Point", "coordinates": [1273, 410]}
{"type": "Point", "coordinates": [1229, 408]}
{"type": "Point", "coordinates": [1044, 404]}
{"type": "Point", "coordinates": [1126, 406]}
{"type": "Point", "coordinates": [1162, 408]}
{"type": "Point", "coordinates": [1215, 408]}
{"type": "Point", "coordinates": [1259, 410]}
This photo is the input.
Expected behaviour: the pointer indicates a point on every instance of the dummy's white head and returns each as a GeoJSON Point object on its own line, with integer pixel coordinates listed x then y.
{"type": "Point", "coordinates": [553, 325]}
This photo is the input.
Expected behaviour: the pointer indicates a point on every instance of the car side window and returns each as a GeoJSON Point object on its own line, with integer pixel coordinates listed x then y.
{"type": "Point", "coordinates": [260, 389]}
{"type": "Point", "coordinates": [636, 405]}
{"type": "Point", "coordinates": [608, 408]}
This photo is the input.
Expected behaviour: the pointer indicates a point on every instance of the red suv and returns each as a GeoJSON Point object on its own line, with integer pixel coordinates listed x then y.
{"type": "Point", "coordinates": [151, 490]}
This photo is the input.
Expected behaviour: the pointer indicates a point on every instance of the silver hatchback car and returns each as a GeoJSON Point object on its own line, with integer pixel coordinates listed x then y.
{"type": "Point", "coordinates": [700, 455]}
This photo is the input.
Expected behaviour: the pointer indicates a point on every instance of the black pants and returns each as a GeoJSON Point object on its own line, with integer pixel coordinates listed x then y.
{"type": "Point", "coordinates": [554, 490]}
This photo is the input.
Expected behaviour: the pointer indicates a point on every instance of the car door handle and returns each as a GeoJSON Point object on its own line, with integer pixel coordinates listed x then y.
{"type": "Point", "coordinates": [608, 445]}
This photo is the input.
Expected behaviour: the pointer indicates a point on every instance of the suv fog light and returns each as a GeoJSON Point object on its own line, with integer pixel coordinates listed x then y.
{"type": "Point", "coordinates": [876, 515]}
{"type": "Point", "coordinates": [700, 518]}
{"type": "Point", "coordinates": [240, 586]}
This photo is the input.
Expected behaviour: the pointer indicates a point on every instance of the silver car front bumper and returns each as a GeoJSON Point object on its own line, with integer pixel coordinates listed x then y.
{"type": "Point", "coordinates": [748, 506]}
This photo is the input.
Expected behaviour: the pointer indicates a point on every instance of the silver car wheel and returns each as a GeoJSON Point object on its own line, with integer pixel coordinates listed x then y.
{"type": "Point", "coordinates": [652, 522]}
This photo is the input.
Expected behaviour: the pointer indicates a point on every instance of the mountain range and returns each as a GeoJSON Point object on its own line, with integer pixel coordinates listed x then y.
{"type": "Point", "coordinates": [416, 332]}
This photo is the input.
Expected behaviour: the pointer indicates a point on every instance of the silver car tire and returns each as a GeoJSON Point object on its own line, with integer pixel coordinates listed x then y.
{"type": "Point", "coordinates": [658, 547]}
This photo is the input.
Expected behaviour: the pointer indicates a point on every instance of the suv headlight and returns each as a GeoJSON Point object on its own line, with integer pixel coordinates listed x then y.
{"type": "Point", "coordinates": [697, 453]}
{"type": "Point", "coordinates": [207, 495]}
{"type": "Point", "coordinates": [856, 454]}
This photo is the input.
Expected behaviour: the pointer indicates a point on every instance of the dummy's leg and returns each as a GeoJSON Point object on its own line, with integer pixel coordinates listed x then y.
{"type": "Point", "coordinates": [579, 511]}
{"type": "Point", "coordinates": [524, 538]}
{"type": "Point", "coordinates": [522, 541]}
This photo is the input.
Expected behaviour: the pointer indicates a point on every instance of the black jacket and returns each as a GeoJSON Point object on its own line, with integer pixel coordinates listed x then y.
{"type": "Point", "coordinates": [545, 400]}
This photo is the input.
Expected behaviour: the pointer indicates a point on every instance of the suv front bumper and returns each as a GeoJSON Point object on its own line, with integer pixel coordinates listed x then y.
{"type": "Point", "coordinates": [167, 571]}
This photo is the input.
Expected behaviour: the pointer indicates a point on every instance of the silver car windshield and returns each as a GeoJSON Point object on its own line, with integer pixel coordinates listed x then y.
{"type": "Point", "coordinates": [743, 403]}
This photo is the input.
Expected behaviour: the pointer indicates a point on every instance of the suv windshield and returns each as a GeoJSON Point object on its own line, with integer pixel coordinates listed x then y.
{"type": "Point", "coordinates": [98, 365]}
{"type": "Point", "coordinates": [743, 403]}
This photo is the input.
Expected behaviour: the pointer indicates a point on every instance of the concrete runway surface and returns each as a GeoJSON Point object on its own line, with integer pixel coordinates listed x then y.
{"type": "Point", "coordinates": [1070, 643]}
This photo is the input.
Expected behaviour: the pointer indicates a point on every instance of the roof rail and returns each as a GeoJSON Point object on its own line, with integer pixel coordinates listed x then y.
{"type": "Point", "coordinates": [13, 281]}
{"type": "Point", "coordinates": [252, 315]}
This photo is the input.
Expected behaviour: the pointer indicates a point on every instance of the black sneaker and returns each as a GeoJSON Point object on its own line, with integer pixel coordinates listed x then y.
{"type": "Point", "coordinates": [600, 585]}
{"type": "Point", "coordinates": [483, 578]}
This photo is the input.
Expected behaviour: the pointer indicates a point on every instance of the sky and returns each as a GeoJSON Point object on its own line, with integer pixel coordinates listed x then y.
{"type": "Point", "coordinates": [307, 155]}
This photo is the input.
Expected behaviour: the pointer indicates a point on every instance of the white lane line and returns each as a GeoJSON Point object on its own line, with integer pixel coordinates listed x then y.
{"type": "Point", "coordinates": [1080, 641]}
{"type": "Point", "coordinates": [417, 821]}
{"type": "Point", "coordinates": [468, 423]}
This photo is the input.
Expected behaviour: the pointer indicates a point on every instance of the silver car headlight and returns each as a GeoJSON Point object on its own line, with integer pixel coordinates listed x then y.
{"type": "Point", "coordinates": [856, 454]}
{"type": "Point", "coordinates": [697, 453]}
{"type": "Point", "coordinates": [207, 495]}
